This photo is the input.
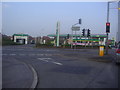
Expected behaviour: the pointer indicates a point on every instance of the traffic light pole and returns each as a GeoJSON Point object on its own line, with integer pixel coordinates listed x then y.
{"type": "Point", "coordinates": [108, 11]}
{"type": "Point", "coordinates": [107, 33]}
{"type": "Point", "coordinates": [106, 45]}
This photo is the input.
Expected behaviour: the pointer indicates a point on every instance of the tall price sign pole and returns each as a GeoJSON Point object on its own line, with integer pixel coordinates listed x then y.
{"type": "Point", "coordinates": [57, 33]}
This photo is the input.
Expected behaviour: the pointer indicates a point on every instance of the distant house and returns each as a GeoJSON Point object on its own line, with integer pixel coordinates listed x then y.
{"type": "Point", "coordinates": [31, 40]}
{"type": "Point", "coordinates": [43, 40]}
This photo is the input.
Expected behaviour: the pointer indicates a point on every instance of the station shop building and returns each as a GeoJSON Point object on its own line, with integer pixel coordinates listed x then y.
{"type": "Point", "coordinates": [93, 40]}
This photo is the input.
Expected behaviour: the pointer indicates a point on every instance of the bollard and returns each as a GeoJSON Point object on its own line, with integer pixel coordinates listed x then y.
{"type": "Point", "coordinates": [101, 51]}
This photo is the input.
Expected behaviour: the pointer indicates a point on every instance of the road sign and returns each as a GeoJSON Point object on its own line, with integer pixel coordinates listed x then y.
{"type": "Point", "coordinates": [75, 28]}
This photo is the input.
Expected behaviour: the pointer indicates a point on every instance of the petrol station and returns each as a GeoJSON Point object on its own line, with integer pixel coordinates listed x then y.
{"type": "Point", "coordinates": [93, 40]}
{"type": "Point", "coordinates": [21, 38]}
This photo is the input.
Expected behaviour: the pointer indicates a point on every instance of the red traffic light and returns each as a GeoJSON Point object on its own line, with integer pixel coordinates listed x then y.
{"type": "Point", "coordinates": [107, 27]}
{"type": "Point", "coordinates": [107, 24]}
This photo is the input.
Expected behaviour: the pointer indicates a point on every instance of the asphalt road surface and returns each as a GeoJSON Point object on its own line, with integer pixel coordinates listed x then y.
{"type": "Point", "coordinates": [57, 68]}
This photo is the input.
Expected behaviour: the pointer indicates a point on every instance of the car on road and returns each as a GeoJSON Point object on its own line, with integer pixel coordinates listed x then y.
{"type": "Point", "coordinates": [117, 59]}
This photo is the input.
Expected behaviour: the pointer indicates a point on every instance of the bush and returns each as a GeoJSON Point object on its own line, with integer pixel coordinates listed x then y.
{"type": "Point", "coordinates": [7, 41]}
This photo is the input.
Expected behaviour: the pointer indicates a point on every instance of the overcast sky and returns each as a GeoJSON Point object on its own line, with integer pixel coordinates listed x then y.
{"type": "Point", "coordinates": [40, 18]}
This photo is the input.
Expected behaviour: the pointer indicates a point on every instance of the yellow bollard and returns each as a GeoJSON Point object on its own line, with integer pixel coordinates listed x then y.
{"type": "Point", "coordinates": [101, 51]}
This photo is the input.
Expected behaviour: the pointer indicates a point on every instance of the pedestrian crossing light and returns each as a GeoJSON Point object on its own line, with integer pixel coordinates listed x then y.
{"type": "Point", "coordinates": [107, 27]}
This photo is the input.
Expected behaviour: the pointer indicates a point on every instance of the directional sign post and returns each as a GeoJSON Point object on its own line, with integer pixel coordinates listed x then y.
{"type": "Point", "coordinates": [75, 28]}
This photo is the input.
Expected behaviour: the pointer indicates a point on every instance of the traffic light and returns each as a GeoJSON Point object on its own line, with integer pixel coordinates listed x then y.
{"type": "Point", "coordinates": [107, 27]}
{"type": "Point", "coordinates": [68, 36]}
{"type": "Point", "coordinates": [88, 33]}
{"type": "Point", "coordinates": [79, 21]}
{"type": "Point", "coordinates": [83, 32]}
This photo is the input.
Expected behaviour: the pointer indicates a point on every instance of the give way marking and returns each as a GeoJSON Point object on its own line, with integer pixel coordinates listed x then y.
{"type": "Point", "coordinates": [49, 60]}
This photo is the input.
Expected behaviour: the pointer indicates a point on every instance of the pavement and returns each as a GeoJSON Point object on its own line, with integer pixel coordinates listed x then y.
{"type": "Point", "coordinates": [57, 68]}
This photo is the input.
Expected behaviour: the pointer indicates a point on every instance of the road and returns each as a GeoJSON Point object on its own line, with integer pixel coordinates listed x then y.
{"type": "Point", "coordinates": [57, 68]}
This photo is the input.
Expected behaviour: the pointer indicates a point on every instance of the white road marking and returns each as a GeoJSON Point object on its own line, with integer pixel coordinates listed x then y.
{"type": "Point", "coordinates": [33, 54]}
{"type": "Point", "coordinates": [35, 77]}
{"type": "Point", "coordinates": [48, 54]}
{"type": "Point", "coordinates": [22, 54]}
{"type": "Point", "coordinates": [13, 49]}
{"type": "Point", "coordinates": [50, 50]}
{"type": "Point", "coordinates": [57, 63]}
{"type": "Point", "coordinates": [44, 59]}
{"type": "Point", "coordinates": [50, 60]}
{"type": "Point", "coordinates": [40, 54]}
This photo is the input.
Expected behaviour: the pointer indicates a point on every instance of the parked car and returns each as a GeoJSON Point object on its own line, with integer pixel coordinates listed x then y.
{"type": "Point", "coordinates": [117, 59]}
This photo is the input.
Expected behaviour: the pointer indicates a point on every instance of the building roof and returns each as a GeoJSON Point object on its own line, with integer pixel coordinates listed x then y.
{"type": "Point", "coordinates": [20, 35]}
